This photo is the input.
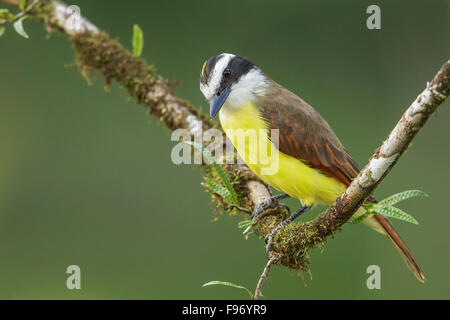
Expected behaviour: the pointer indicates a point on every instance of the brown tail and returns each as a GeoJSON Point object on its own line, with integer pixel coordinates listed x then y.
{"type": "Point", "coordinates": [401, 246]}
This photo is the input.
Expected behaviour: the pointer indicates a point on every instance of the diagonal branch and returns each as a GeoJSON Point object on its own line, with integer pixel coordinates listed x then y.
{"type": "Point", "coordinates": [96, 51]}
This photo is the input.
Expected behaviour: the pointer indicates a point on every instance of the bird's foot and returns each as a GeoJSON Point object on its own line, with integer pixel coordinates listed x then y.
{"type": "Point", "coordinates": [271, 202]}
{"type": "Point", "coordinates": [268, 203]}
{"type": "Point", "coordinates": [270, 236]}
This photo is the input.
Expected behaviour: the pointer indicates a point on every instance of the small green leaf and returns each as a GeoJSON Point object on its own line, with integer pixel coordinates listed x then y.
{"type": "Point", "coordinates": [228, 284]}
{"type": "Point", "coordinates": [138, 41]}
{"type": "Point", "coordinates": [18, 26]}
{"type": "Point", "coordinates": [22, 5]}
{"type": "Point", "coordinates": [2, 30]}
{"type": "Point", "coordinates": [245, 224]}
{"type": "Point", "coordinates": [222, 191]}
{"type": "Point", "coordinates": [396, 213]}
{"type": "Point", "coordinates": [389, 201]}
{"type": "Point", "coordinates": [218, 169]}
{"type": "Point", "coordinates": [386, 208]}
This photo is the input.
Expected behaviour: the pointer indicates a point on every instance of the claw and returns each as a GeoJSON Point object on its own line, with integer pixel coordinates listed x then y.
{"type": "Point", "coordinates": [269, 241]}
{"type": "Point", "coordinates": [260, 207]}
{"type": "Point", "coordinates": [268, 203]}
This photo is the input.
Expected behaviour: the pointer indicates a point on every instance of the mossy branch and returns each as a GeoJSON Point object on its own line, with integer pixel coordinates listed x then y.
{"type": "Point", "coordinates": [95, 50]}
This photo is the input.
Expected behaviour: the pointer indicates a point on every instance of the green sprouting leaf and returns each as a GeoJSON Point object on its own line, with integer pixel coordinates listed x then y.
{"type": "Point", "coordinates": [2, 30]}
{"type": "Point", "coordinates": [22, 5]}
{"type": "Point", "coordinates": [222, 191]}
{"type": "Point", "coordinates": [386, 208]}
{"type": "Point", "coordinates": [18, 26]}
{"type": "Point", "coordinates": [228, 284]}
{"type": "Point", "coordinates": [393, 212]}
{"type": "Point", "coordinates": [226, 182]}
{"type": "Point", "coordinates": [245, 224]}
{"type": "Point", "coordinates": [402, 196]}
{"type": "Point", "coordinates": [218, 169]}
{"type": "Point", "coordinates": [138, 41]}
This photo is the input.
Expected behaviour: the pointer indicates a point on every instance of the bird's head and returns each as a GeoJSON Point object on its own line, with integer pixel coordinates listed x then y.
{"type": "Point", "coordinates": [234, 80]}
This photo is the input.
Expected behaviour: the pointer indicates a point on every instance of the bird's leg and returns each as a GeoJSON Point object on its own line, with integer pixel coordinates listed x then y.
{"type": "Point", "coordinates": [269, 237]}
{"type": "Point", "coordinates": [271, 202]}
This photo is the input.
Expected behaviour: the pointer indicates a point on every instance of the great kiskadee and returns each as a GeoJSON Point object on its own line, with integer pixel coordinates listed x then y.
{"type": "Point", "coordinates": [313, 167]}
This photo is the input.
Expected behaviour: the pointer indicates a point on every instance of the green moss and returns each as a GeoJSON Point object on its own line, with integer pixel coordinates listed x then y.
{"type": "Point", "coordinates": [43, 10]}
{"type": "Point", "coordinates": [116, 63]}
{"type": "Point", "coordinates": [99, 52]}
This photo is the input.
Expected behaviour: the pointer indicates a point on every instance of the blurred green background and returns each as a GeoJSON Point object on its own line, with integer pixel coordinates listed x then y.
{"type": "Point", "coordinates": [86, 176]}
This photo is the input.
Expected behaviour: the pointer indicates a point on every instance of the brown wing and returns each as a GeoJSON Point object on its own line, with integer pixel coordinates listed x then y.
{"type": "Point", "coordinates": [305, 135]}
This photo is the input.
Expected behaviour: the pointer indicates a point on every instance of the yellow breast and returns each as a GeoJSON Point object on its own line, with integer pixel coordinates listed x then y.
{"type": "Point", "coordinates": [248, 132]}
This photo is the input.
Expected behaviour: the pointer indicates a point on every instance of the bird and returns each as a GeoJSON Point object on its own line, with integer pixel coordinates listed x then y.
{"type": "Point", "coordinates": [312, 163]}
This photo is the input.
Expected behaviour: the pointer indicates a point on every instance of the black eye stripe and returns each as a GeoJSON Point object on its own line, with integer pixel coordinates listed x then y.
{"type": "Point", "coordinates": [240, 66]}
{"type": "Point", "coordinates": [237, 67]}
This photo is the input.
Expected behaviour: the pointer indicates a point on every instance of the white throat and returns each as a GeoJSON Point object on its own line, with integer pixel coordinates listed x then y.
{"type": "Point", "coordinates": [250, 86]}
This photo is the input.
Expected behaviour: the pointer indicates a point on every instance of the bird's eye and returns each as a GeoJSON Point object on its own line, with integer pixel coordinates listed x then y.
{"type": "Point", "coordinates": [227, 73]}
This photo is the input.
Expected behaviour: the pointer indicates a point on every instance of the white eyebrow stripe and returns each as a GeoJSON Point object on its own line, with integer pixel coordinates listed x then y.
{"type": "Point", "coordinates": [214, 82]}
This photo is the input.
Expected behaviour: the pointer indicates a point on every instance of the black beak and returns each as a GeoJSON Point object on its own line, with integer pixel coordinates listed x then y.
{"type": "Point", "coordinates": [217, 101]}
